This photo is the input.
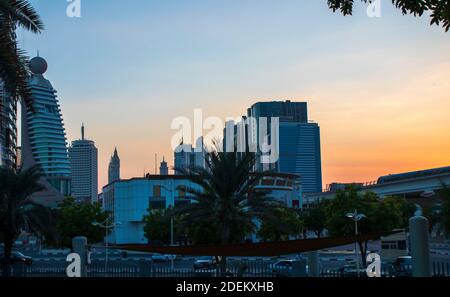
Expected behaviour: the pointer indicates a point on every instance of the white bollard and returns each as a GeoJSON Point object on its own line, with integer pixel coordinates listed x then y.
{"type": "Point", "coordinates": [420, 250]}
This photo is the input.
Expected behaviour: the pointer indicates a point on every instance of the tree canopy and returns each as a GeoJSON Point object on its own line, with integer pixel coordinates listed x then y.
{"type": "Point", "coordinates": [286, 225]}
{"type": "Point", "coordinates": [380, 214]}
{"type": "Point", "coordinates": [17, 208]}
{"type": "Point", "coordinates": [439, 10]}
{"type": "Point", "coordinates": [14, 70]}
{"type": "Point", "coordinates": [75, 219]}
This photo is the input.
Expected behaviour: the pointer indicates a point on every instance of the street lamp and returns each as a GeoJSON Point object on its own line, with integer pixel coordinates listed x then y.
{"type": "Point", "coordinates": [356, 217]}
{"type": "Point", "coordinates": [171, 224]}
{"type": "Point", "coordinates": [106, 225]}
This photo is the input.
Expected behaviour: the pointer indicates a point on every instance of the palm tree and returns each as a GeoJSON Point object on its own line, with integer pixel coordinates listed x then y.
{"type": "Point", "coordinates": [225, 196]}
{"type": "Point", "coordinates": [14, 69]}
{"type": "Point", "coordinates": [15, 206]}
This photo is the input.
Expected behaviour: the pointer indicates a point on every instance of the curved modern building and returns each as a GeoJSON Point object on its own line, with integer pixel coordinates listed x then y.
{"type": "Point", "coordinates": [44, 139]}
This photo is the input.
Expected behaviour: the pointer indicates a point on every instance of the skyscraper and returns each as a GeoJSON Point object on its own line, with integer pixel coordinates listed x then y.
{"type": "Point", "coordinates": [300, 154]}
{"type": "Point", "coordinates": [8, 129]}
{"type": "Point", "coordinates": [43, 135]}
{"type": "Point", "coordinates": [114, 167]}
{"type": "Point", "coordinates": [83, 157]}
{"type": "Point", "coordinates": [298, 143]}
{"type": "Point", "coordinates": [187, 156]}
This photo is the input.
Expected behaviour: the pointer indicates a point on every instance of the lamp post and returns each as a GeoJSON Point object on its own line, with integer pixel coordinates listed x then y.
{"type": "Point", "coordinates": [171, 223]}
{"type": "Point", "coordinates": [356, 217]}
{"type": "Point", "coordinates": [106, 225]}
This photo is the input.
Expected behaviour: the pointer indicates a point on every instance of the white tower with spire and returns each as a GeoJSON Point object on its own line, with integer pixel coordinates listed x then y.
{"type": "Point", "coordinates": [114, 167]}
{"type": "Point", "coordinates": [163, 169]}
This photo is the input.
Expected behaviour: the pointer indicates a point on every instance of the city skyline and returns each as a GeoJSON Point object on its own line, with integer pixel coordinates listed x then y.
{"type": "Point", "coordinates": [380, 99]}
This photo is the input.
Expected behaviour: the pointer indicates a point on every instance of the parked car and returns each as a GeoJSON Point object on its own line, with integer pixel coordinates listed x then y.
{"type": "Point", "coordinates": [18, 257]}
{"type": "Point", "coordinates": [403, 266]}
{"type": "Point", "coordinates": [350, 270]}
{"type": "Point", "coordinates": [206, 262]}
{"type": "Point", "coordinates": [282, 268]}
{"type": "Point", "coordinates": [163, 258]}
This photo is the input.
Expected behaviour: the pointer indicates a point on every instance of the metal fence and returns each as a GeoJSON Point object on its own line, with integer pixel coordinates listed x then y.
{"type": "Point", "coordinates": [234, 268]}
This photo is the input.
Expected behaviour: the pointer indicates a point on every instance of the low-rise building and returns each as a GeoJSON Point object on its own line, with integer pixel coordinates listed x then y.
{"type": "Point", "coordinates": [128, 202]}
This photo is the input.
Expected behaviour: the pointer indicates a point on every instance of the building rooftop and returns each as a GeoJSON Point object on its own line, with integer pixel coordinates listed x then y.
{"type": "Point", "coordinates": [413, 174]}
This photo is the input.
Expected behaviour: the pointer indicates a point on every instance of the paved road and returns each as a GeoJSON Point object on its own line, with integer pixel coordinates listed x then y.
{"type": "Point", "coordinates": [330, 259]}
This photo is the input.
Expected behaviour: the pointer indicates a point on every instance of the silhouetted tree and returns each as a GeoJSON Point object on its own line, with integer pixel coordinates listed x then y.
{"type": "Point", "coordinates": [287, 224]}
{"type": "Point", "coordinates": [75, 219]}
{"type": "Point", "coordinates": [382, 215]}
{"type": "Point", "coordinates": [315, 218]}
{"type": "Point", "coordinates": [438, 9]}
{"type": "Point", "coordinates": [16, 207]}
{"type": "Point", "coordinates": [14, 69]}
{"type": "Point", "coordinates": [225, 195]}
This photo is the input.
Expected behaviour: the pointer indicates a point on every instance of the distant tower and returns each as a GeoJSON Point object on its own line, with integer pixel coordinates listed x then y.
{"type": "Point", "coordinates": [83, 156]}
{"type": "Point", "coordinates": [163, 169]}
{"type": "Point", "coordinates": [186, 156]}
{"type": "Point", "coordinates": [114, 168]}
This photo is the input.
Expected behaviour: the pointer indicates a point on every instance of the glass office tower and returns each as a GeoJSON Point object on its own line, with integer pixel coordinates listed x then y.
{"type": "Point", "coordinates": [299, 141]}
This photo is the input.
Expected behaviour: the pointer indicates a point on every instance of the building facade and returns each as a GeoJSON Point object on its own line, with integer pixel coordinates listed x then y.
{"type": "Point", "coordinates": [300, 153]}
{"type": "Point", "coordinates": [186, 156]}
{"type": "Point", "coordinates": [44, 140]}
{"type": "Point", "coordinates": [8, 129]}
{"type": "Point", "coordinates": [114, 167]}
{"type": "Point", "coordinates": [128, 202]}
{"type": "Point", "coordinates": [298, 141]}
{"type": "Point", "coordinates": [283, 187]}
{"type": "Point", "coordinates": [83, 156]}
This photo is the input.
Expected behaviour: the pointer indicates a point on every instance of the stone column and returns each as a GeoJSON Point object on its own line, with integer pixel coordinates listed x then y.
{"type": "Point", "coordinates": [313, 264]}
{"type": "Point", "coordinates": [79, 246]}
{"type": "Point", "coordinates": [420, 250]}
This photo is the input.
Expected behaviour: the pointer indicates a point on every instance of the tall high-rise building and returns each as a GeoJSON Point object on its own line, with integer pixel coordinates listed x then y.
{"type": "Point", "coordinates": [83, 156]}
{"type": "Point", "coordinates": [114, 168]}
{"type": "Point", "coordinates": [8, 129]}
{"type": "Point", "coordinates": [300, 154]}
{"type": "Point", "coordinates": [187, 156]}
{"type": "Point", "coordinates": [286, 111]}
{"type": "Point", "coordinates": [44, 140]}
{"type": "Point", "coordinates": [298, 141]}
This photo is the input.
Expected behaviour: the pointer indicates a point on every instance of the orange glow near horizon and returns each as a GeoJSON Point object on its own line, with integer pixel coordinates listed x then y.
{"type": "Point", "coordinates": [368, 129]}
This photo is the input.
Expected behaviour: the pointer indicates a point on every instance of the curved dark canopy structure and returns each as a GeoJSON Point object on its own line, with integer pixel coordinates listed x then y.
{"type": "Point", "coordinates": [265, 249]}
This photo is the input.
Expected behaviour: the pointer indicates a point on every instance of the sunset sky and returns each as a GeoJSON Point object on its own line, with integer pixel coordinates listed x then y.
{"type": "Point", "coordinates": [378, 87]}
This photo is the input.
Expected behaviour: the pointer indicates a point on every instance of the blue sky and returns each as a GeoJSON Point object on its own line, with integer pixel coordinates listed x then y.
{"type": "Point", "coordinates": [127, 68]}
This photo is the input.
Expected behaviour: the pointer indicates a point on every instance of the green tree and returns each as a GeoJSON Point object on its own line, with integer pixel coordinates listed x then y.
{"type": "Point", "coordinates": [203, 232]}
{"type": "Point", "coordinates": [315, 218]}
{"type": "Point", "coordinates": [225, 195]}
{"type": "Point", "coordinates": [287, 224]}
{"type": "Point", "coordinates": [157, 226]}
{"type": "Point", "coordinates": [16, 207]}
{"type": "Point", "coordinates": [381, 215]}
{"type": "Point", "coordinates": [439, 10]}
{"type": "Point", "coordinates": [75, 219]}
{"type": "Point", "coordinates": [14, 69]}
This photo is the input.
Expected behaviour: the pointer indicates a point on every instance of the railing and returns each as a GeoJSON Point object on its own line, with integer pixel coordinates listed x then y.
{"type": "Point", "coordinates": [441, 269]}
{"type": "Point", "coordinates": [238, 268]}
